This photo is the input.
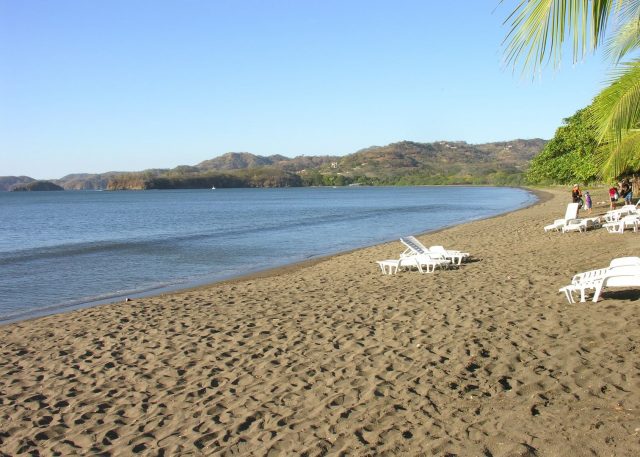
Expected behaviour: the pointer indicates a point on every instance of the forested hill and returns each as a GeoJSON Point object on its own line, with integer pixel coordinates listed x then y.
{"type": "Point", "coordinates": [446, 158]}
{"type": "Point", "coordinates": [406, 162]}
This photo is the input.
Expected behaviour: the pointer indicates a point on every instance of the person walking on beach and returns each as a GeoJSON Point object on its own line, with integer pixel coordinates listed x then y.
{"type": "Point", "coordinates": [587, 202]}
{"type": "Point", "coordinates": [626, 191]}
{"type": "Point", "coordinates": [613, 196]}
{"type": "Point", "coordinates": [576, 195]}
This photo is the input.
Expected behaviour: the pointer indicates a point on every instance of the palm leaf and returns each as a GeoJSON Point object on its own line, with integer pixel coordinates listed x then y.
{"type": "Point", "coordinates": [616, 109]}
{"type": "Point", "coordinates": [621, 157]}
{"type": "Point", "coordinates": [539, 28]}
{"type": "Point", "coordinates": [624, 41]}
{"type": "Point", "coordinates": [626, 36]}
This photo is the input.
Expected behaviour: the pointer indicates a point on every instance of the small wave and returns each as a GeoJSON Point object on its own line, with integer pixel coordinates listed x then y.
{"type": "Point", "coordinates": [67, 250]}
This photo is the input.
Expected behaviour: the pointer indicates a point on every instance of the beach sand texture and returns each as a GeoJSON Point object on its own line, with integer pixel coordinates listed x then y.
{"type": "Point", "coordinates": [334, 358]}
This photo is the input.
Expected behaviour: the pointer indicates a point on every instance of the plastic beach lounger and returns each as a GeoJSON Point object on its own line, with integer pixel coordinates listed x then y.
{"type": "Point", "coordinates": [389, 267]}
{"type": "Point", "coordinates": [423, 263]}
{"type": "Point", "coordinates": [570, 214]}
{"type": "Point", "coordinates": [631, 221]}
{"type": "Point", "coordinates": [625, 276]}
{"type": "Point", "coordinates": [455, 256]}
{"type": "Point", "coordinates": [582, 282]}
{"type": "Point", "coordinates": [438, 253]}
{"type": "Point", "coordinates": [593, 279]}
{"type": "Point", "coordinates": [581, 225]}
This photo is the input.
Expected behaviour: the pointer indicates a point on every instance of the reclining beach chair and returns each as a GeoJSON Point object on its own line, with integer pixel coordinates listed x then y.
{"type": "Point", "coordinates": [618, 226]}
{"type": "Point", "coordinates": [456, 256]}
{"type": "Point", "coordinates": [414, 246]}
{"type": "Point", "coordinates": [623, 276]}
{"type": "Point", "coordinates": [570, 213]}
{"type": "Point", "coordinates": [581, 282]}
{"type": "Point", "coordinates": [625, 262]}
{"type": "Point", "coordinates": [581, 225]}
{"type": "Point", "coordinates": [415, 256]}
{"type": "Point", "coordinates": [626, 210]}
{"type": "Point", "coordinates": [424, 264]}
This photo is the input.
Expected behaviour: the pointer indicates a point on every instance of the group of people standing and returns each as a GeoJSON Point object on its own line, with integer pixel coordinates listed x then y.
{"type": "Point", "coordinates": [623, 189]}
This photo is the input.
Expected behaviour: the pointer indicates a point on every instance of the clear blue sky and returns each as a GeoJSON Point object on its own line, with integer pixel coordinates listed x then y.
{"type": "Point", "coordinates": [96, 86]}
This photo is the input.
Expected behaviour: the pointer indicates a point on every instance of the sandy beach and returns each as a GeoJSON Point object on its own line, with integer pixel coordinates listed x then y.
{"type": "Point", "coordinates": [334, 358]}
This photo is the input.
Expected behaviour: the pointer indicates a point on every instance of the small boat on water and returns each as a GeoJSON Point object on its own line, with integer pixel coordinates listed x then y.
{"type": "Point", "coordinates": [213, 187]}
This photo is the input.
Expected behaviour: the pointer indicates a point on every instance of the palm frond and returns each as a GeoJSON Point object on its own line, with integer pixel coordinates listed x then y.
{"type": "Point", "coordinates": [539, 28]}
{"type": "Point", "coordinates": [618, 158]}
{"type": "Point", "coordinates": [625, 40]}
{"type": "Point", "coordinates": [626, 36]}
{"type": "Point", "coordinates": [627, 10]}
{"type": "Point", "coordinates": [616, 109]}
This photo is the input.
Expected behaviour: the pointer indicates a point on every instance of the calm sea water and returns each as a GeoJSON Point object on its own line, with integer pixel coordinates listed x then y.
{"type": "Point", "coordinates": [62, 250]}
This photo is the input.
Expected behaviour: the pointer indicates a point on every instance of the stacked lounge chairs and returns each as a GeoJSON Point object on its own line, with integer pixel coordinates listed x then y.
{"type": "Point", "coordinates": [617, 220]}
{"type": "Point", "coordinates": [581, 225]}
{"type": "Point", "coordinates": [621, 272]}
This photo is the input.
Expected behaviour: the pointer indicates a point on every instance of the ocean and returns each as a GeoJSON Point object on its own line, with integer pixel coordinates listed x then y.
{"type": "Point", "coordinates": [65, 250]}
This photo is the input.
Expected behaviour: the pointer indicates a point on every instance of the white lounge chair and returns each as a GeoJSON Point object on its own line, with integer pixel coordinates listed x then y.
{"type": "Point", "coordinates": [624, 276]}
{"type": "Point", "coordinates": [424, 264]}
{"type": "Point", "coordinates": [427, 263]}
{"type": "Point", "coordinates": [389, 267]}
{"type": "Point", "coordinates": [581, 225]}
{"type": "Point", "coordinates": [630, 221]}
{"type": "Point", "coordinates": [581, 282]}
{"type": "Point", "coordinates": [630, 209]}
{"type": "Point", "coordinates": [570, 213]}
{"type": "Point", "coordinates": [625, 262]}
{"type": "Point", "coordinates": [456, 256]}
{"type": "Point", "coordinates": [414, 247]}
{"type": "Point", "coordinates": [612, 216]}
{"type": "Point", "coordinates": [615, 214]}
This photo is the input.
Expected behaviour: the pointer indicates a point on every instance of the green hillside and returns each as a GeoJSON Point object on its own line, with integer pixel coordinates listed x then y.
{"type": "Point", "coordinates": [402, 163]}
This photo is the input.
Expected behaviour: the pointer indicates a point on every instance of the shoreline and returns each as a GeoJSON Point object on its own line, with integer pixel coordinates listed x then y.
{"type": "Point", "coordinates": [334, 357]}
{"type": "Point", "coordinates": [115, 298]}
{"type": "Point", "coordinates": [540, 195]}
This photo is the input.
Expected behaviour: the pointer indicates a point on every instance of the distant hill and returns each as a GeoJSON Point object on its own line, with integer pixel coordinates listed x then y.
{"type": "Point", "coordinates": [444, 158]}
{"type": "Point", "coordinates": [238, 161]}
{"type": "Point", "coordinates": [411, 154]}
{"type": "Point", "coordinates": [8, 182]}
{"type": "Point", "coordinates": [405, 162]}
{"type": "Point", "coordinates": [243, 160]}
{"type": "Point", "coordinates": [86, 181]}
{"type": "Point", "coordinates": [36, 186]}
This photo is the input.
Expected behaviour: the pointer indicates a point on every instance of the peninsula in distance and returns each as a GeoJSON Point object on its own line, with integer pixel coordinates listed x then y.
{"type": "Point", "coordinates": [402, 163]}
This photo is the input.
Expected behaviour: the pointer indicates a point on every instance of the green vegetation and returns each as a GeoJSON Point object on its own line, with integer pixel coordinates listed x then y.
{"type": "Point", "coordinates": [439, 163]}
{"type": "Point", "coordinates": [403, 163]}
{"type": "Point", "coordinates": [36, 186]}
{"type": "Point", "coordinates": [570, 156]}
{"type": "Point", "coordinates": [539, 30]}
{"type": "Point", "coordinates": [194, 179]}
